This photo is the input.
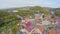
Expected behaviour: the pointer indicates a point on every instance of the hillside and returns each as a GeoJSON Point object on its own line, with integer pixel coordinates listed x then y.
{"type": "Point", "coordinates": [7, 17]}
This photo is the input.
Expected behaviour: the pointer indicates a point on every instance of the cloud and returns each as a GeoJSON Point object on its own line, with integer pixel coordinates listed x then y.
{"type": "Point", "coordinates": [21, 3]}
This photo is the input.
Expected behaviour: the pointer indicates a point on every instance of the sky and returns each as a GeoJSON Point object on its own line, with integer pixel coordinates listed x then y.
{"type": "Point", "coordinates": [21, 3]}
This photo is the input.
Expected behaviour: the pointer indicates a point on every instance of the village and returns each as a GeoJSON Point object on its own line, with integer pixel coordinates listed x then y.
{"type": "Point", "coordinates": [39, 24]}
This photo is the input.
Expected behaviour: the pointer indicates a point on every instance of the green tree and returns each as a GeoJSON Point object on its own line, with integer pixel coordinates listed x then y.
{"type": "Point", "coordinates": [57, 13]}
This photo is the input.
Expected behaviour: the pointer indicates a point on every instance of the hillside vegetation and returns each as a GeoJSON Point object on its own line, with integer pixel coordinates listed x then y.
{"type": "Point", "coordinates": [6, 17]}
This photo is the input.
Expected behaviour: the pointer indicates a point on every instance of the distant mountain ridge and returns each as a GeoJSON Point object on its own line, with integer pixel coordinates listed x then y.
{"type": "Point", "coordinates": [31, 7]}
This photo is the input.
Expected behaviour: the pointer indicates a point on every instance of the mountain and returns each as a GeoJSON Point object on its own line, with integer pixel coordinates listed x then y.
{"type": "Point", "coordinates": [33, 8]}
{"type": "Point", "coordinates": [25, 8]}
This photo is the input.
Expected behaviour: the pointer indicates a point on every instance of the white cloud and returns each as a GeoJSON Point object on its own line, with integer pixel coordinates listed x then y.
{"type": "Point", "coordinates": [20, 3]}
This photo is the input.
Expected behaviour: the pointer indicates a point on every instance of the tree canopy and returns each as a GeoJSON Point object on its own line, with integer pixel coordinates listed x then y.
{"type": "Point", "coordinates": [57, 13]}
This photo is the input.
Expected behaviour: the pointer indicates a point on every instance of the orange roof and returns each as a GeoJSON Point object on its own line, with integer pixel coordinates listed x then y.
{"type": "Point", "coordinates": [41, 28]}
{"type": "Point", "coordinates": [52, 31]}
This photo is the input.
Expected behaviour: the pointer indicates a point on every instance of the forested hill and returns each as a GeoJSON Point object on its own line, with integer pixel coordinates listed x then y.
{"type": "Point", "coordinates": [31, 8]}
{"type": "Point", "coordinates": [34, 8]}
{"type": "Point", "coordinates": [25, 8]}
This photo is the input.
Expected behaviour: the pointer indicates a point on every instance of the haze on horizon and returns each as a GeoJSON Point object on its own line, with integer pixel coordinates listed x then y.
{"type": "Point", "coordinates": [21, 3]}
